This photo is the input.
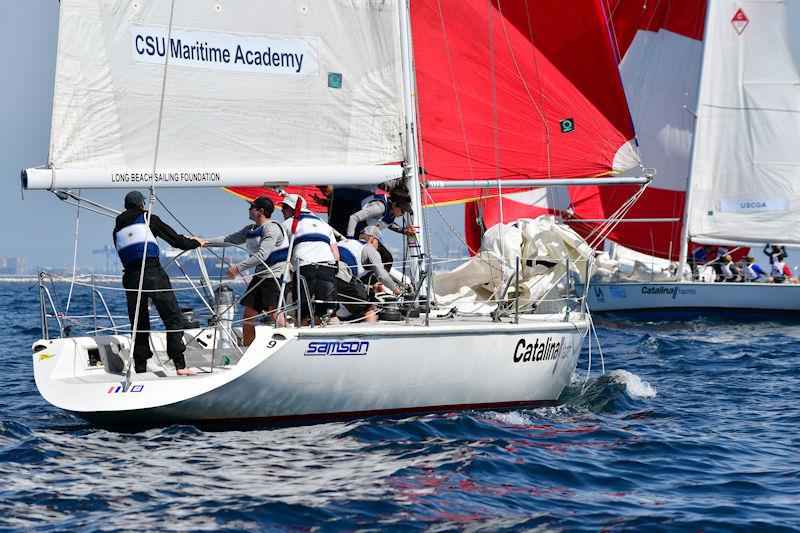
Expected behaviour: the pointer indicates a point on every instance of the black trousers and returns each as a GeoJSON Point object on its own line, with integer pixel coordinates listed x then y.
{"type": "Point", "coordinates": [321, 283]}
{"type": "Point", "coordinates": [167, 306]}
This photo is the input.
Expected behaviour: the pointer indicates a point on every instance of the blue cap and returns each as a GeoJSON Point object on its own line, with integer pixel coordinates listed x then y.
{"type": "Point", "coordinates": [133, 199]}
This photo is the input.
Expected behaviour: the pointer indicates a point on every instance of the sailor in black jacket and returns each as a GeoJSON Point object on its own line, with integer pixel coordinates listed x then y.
{"type": "Point", "coordinates": [135, 242]}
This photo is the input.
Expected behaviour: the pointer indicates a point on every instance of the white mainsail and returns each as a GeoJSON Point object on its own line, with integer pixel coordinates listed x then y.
{"type": "Point", "coordinates": [261, 85]}
{"type": "Point", "coordinates": [745, 176]}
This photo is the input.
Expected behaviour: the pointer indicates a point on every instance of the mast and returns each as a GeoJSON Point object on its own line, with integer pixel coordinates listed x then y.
{"type": "Point", "coordinates": [687, 198]}
{"type": "Point", "coordinates": [411, 147]}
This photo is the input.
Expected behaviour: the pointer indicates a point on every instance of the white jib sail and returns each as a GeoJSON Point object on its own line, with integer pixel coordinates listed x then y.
{"type": "Point", "coordinates": [250, 84]}
{"type": "Point", "coordinates": [745, 181]}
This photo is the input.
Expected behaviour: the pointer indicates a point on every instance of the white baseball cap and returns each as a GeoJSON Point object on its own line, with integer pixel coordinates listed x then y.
{"type": "Point", "coordinates": [290, 200]}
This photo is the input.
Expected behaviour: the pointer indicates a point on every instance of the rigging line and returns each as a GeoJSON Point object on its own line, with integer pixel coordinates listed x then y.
{"type": "Point", "coordinates": [187, 230]}
{"type": "Point", "coordinates": [487, 262]}
{"type": "Point", "coordinates": [74, 254]}
{"type": "Point", "coordinates": [66, 194]}
{"type": "Point", "coordinates": [495, 128]}
{"type": "Point", "coordinates": [522, 78]}
{"type": "Point", "coordinates": [152, 201]}
{"type": "Point", "coordinates": [747, 108]}
{"type": "Point", "coordinates": [455, 91]}
{"type": "Point", "coordinates": [604, 230]}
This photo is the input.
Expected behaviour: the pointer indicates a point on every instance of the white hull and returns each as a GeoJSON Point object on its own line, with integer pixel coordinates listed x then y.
{"type": "Point", "coordinates": [394, 368]}
{"type": "Point", "coordinates": [674, 296]}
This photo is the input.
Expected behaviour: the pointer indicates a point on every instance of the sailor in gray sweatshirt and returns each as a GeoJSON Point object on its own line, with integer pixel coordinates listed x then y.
{"type": "Point", "coordinates": [268, 243]}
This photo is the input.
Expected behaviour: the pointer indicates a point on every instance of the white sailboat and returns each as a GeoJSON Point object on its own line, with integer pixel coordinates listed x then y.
{"type": "Point", "coordinates": [250, 93]}
{"type": "Point", "coordinates": [742, 189]}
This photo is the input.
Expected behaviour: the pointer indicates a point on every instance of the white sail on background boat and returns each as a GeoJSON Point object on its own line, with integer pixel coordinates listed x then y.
{"type": "Point", "coordinates": [743, 188]}
{"type": "Point", "coordinates": [243, 93]}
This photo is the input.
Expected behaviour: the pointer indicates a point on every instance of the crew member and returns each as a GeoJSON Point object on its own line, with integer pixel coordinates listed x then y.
{"type": "Point", "coordinates": [699, 257]}
{"type": "Point", "coordinates": [268, 244]}
{"type": "Point", "coordinates": [773, 251]}
{"type": "Point", "coordinates": [362, 266]}
{"type": "Point", "coordinates": [137, 247]}
{"type": "Point", "coordinates": [381, 211]}
{"type": "Point", "coordinates": [753, 271]}
{"type": "Point", "coordinates": [729, 271]}
{"type": "Point", "coordinates": [781, 272]}
{"type": "Point", "coordinates": [315, 252]}
{"type": "Point", "coordinates": [342, 201]}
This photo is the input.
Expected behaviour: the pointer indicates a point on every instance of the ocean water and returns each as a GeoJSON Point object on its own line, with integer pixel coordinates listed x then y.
{"type": "Point", "coordinates": [695, 426]}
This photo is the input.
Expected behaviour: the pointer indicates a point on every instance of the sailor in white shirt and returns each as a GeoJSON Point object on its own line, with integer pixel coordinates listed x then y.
{"type": "Point", "coordinates": [315, 252]}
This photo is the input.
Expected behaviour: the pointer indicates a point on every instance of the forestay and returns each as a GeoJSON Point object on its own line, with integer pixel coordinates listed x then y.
{"type": "Point", "coordinates": [745, 186]}
{"type": "Point", "coordinates": [253, 84]}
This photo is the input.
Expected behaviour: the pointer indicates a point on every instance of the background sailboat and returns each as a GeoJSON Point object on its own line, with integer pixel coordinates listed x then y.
{"type": "Point", "coordinates": [741, 189]}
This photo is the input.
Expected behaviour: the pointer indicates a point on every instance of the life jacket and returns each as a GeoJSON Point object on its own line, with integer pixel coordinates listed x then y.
{"type": "Point", "coordinates": [387, 217]}
{"type": "Point", "coordinates": [136, 240]}
{"type": "Point", "coordinates": [749, 273]}
{"type": "Point", "coordinates": [306, 232]}
{"type": "Point", "coordinates": [726, 271]}
{"type": "Point", "coordinates": [778, 275]}
{"type": "Point", "coordinates": [281, 251]}
{"type": "Point", "coordinates": [312, 238]}
{"type": "Point", "coordinates": [350, 253]}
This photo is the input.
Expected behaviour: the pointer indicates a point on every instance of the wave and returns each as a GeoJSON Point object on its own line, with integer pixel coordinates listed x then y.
{"type": "Point", "coordinates": [635, 386]}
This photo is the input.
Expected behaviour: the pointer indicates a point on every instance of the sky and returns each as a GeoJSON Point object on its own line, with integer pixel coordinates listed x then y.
{"type": "Point", "coordinates": [41, 227]}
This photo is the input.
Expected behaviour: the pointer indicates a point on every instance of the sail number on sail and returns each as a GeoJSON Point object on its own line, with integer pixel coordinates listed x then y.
{"type": "Point", "coordinates": [272, 55]}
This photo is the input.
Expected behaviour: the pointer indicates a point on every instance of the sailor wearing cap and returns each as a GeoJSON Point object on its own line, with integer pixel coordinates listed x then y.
{"type": "Point", "coordinates": [381, 211]}
{"type": "Point", "coordinates": [315, 252]}
{"type": "Point", "coordinates": [268, 244]}
{"type": "Point", "coordinates": [137, 248]}
{"type": "Point", "coordinates": [359, 267]}
{"type": "Point", "coordinates": [362, 257]}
